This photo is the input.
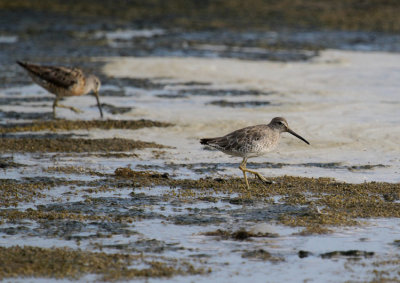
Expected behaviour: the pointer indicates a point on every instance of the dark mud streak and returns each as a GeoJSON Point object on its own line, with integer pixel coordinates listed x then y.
{"type": "Point", "coordinates": [222, 92]}
{"type": "Point", "coordinates": [201, 168]}
{"type": "Point", "coordinates": [239, 235]}
{"type": "Point", "coordinates": [21, 100]}
{"type": "Point", "coordinates": [236, 104]}
{"type": "Point", "coordinates": [145, 246]}
{"type": "Point", "coordinates": [26, 115]}
{"type": "Point", "coordinates": [116, 109]}
{"type": "Point", "coordinates": [8, 162]}
{"type": "Point", "coordinates": [349, 253]}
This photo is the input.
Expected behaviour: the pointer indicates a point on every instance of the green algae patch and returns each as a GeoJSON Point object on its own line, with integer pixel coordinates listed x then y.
{"type": "Point", "coordinates": [72, 145]}
{"type": "Point", "coordinates": [61, 263]}
{"type": "Point", "coordinates": [70, 125]}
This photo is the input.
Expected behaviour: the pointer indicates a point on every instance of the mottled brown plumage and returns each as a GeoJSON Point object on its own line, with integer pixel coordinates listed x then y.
{"type": "Point", "coordinates": [63, 81]}
{"type": "Point", "coordinates": [252, 141]}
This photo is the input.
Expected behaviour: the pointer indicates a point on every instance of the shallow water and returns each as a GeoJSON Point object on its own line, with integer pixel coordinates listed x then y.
{"type": "Point", "coordinates": [344, 103]}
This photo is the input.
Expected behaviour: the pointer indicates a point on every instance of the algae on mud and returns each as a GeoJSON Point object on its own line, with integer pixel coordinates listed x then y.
{"type": "Point", "coordinates": [69, 125]}
{"type": "Point", "coordinates": [261, 254]}
{"type": "Point", "coordinates": [61, 263]}
{"type": "Point", "coordinates": [298, 201]}
{"type": "Point", "coordinates": [98, 217]}
{"type": "Point", "coordinates": [72, 145]}
{"type": "Point", "coordinates": [31, 143]}
{"type": "Point", "coordinates": [342, 203]}
{"type": "Point", "coordinates": [12, 192]}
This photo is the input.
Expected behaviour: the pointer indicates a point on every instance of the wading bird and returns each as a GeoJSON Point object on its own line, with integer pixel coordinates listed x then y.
{"type": "Point", "coordinates": [252, 141]}
{"type": "Point", "coordinates": [63, 81]}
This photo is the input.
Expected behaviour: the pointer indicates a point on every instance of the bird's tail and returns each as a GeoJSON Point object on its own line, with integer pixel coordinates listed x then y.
{"type": "Point", "coordinates": [22, 64]}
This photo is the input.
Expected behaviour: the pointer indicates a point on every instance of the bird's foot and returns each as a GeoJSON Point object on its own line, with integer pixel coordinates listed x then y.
{"type": "Point", "coordinates": [76, 110]}
{"type": "Point", "coordinates": [263, 179]}
{"type": "Point", "coordinates": [318, 211]}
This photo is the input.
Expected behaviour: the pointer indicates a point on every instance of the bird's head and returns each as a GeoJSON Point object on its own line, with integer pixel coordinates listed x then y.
{"type": "Point", "coordinates": [96, 83]}
{"type": "Point", "coordinates": [280, 124]}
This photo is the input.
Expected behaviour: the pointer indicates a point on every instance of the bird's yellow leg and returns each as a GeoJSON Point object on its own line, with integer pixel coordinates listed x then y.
{"type": "Point", "coordinates": [76, 110]}
{"type": "Point", "coordinates": [56, 104]}
{"type": "Point", "coordinates": [259, 176]}
{"type": "Point", "coordinates": [256, 174]}
{"type": "Point", "coordinates": [242, 167]}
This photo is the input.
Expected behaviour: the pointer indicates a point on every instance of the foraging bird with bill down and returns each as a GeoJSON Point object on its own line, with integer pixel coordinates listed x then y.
{"type": "Point", "coordinates": [252, 141]}
{"type": "Point", "coordinates": [62, 81]}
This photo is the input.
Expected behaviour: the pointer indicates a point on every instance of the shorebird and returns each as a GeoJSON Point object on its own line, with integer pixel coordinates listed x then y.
{"type": "Point", "coordinates": [63, 81]}
{"type": "Point", "coordinates": [252, 141]}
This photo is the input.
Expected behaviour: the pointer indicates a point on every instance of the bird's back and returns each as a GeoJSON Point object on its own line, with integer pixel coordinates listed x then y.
{"type": "Point", "coordinates": [246, 142]}
{"type": "Point", "coordinates": [58, 80]}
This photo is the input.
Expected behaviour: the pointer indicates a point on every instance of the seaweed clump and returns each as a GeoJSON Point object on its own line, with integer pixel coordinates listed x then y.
{"type": "Point", "coordinates": [60, 263]}
{"type": "Point", "coordinates": [72, 145]}
{"type": "Point", "coordinates": [69, 125]}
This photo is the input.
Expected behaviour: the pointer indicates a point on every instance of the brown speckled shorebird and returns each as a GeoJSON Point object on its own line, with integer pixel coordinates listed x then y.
{"type": "Point", "coordinates": [252, 141]}
{"type": "Point", "coordinates": [62, 81]}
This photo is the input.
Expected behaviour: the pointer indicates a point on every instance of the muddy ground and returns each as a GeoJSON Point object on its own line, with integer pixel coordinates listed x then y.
{"type": "Point", "coordinates": [84, 207]}
{"type": "Point", "coordinates": [316, 206]}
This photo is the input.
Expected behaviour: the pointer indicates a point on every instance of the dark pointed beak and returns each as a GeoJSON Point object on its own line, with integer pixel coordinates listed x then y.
{"type": "Point", "coordinates": [297, 136]}
{"type": "Point", "coordinates": [98, 103]}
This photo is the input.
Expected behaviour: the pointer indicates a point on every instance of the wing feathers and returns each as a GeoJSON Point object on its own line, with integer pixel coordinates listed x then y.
{"type": "Point", "coordinates": [59, 76]}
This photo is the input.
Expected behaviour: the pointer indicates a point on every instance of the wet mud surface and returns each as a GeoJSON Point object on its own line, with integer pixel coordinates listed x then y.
{"type": "Point", "coordinates": [316, 206]}
{"type": "Point", "coordinates": [90, 200]}
{"type": "Point", "coordinates": [298, 199]}
{"type": "Point", "coordinates": [90, 209]}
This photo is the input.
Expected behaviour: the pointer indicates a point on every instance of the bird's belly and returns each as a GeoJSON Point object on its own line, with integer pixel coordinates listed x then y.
{"type": "Point", "coordinates": [259, 150]}
{"type": "Point", "coordinates": [253, 151]}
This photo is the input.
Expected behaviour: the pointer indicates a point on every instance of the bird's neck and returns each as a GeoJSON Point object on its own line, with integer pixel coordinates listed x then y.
{"type": "Point", "coordinates": [89, 85]}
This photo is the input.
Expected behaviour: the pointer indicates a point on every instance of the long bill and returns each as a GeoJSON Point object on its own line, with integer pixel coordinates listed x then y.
{"type": "Point", "coordinates": [297, 136]}
{"type": "Point", "coordinates": [96, 94]}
